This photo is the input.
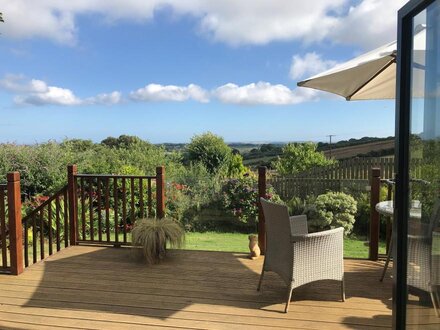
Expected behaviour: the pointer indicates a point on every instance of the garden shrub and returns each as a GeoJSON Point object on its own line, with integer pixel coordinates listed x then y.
{"type": "Point", "coordinates": [240, 198]}
{"type": "Point", "coordinates": [331, 210]}
{"type": "Point", "coordinates": [192, 189]}
{"type": "Point", "coordinates": [362, 224]}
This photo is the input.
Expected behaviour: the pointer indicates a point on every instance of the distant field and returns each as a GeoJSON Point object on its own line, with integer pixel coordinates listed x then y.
{"type": "Point", "coordinates": [259, 161]}
{"type": "Point", "coordinates": [254, 160]}
{"type": "Point", "coordinates": [347, 152]}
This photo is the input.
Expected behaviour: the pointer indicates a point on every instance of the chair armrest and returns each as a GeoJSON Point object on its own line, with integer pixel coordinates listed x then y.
{"type": "Point", "coordinates": [298, 225]}
{"type": "Point", "coordinates": [418, 239]}
{"type": "Point", "coordinates": [318, 235]}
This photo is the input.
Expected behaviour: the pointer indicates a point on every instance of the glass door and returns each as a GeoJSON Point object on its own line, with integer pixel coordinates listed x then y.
{"type": "Point", "coordinates": [417, 270]}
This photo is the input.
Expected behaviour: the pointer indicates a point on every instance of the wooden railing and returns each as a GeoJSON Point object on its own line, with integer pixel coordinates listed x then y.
{"type": "Point", "coordinates": [108, 205]}
{"type": "Point", "coordinates": [4, 230]}
{"type": "Point", "coordinates": [91, 208]}
{"type": "Point", "coordinates": [46, 228]}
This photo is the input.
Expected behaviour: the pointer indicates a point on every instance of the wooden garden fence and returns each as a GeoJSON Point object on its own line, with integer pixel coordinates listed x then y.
{"type": "Point", "coordinates": [347, 175]}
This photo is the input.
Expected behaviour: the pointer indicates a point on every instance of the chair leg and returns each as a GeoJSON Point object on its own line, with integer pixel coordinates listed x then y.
{"type": "Point", "coordinates": [343, 290]}
{"type": "Point", "coordinates": [260, 282]}
{"type": "Point", "coordinates": [385, 267]}
{"type": "Point", "coordinates": [435, 302]}
{"type": "Point", "coordinates": [436, 295]}
{"type": "Point", "coordinates": [289, 296]}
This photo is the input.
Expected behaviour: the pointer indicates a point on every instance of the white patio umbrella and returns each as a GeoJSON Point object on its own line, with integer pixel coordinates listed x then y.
{"type": "Point", "coordinates": [371, 75]}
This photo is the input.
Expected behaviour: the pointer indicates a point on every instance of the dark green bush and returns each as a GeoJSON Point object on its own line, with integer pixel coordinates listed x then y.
{"type": "Point", "coordinates": [240, 198]}
{"type": "Point", "coordinates": [296, 206]}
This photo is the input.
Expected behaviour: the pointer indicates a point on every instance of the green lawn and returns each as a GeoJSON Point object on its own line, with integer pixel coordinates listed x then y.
{"type": "Point", "coordinates": [236, 242]}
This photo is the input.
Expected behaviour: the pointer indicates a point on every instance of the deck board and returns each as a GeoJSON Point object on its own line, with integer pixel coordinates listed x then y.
{"type": "Point", "coordinates": [89, 287]}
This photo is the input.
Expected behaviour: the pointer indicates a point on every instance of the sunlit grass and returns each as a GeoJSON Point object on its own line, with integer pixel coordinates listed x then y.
{"type": "Point", "coordinates": [237, 242]}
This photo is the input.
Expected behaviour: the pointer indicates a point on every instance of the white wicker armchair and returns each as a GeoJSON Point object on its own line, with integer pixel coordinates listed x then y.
{"type": "Point", "coordinates": [296, 256]}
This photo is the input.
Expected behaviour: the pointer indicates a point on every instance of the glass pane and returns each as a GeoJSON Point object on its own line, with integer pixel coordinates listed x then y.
{"type": "Point", "coordinates": [424, 221]}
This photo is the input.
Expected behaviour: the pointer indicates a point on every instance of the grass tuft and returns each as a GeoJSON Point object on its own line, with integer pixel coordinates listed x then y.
{"type": "Point", "coordinates": [153, 235]}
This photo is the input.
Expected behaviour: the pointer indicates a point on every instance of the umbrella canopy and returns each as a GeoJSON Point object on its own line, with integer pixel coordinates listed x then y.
{"type": "Point", "coordinates": [371, 75]}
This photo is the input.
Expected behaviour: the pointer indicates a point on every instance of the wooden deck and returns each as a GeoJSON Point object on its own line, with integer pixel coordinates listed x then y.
{"type": "Point", "coordinates": [105, 288]}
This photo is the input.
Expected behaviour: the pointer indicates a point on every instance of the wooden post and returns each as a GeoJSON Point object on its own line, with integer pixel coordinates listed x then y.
{"type": "Point", "coordinates": [389, 223]}
{"type": "Point", "coordinates": [72, 170]}
{"type": "Point", "coordinates": [160, 192]}
{"type": "Point", "coordinates": [15, 225]}
{"type": "Point", "coordinates": [261, 193]}
{"type": "Point", "coordinates": [374, 215]}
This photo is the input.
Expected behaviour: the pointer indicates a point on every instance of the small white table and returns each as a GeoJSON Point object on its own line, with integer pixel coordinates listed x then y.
{"type": "Point", "coordinates": [387, 208]}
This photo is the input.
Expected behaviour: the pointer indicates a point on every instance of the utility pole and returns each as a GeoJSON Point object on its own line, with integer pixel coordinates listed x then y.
{"type": "Point", "coordinates": [330, 137]}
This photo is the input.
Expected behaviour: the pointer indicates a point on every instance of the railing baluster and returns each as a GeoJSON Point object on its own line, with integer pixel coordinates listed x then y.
{"type": "Point", "coordinates": [150, 199]}
{"type": "Point", "coordinates": [83, 210]}
{"type": "Point", "coordinates": [26, 243]}
{"type": "Point", "coordinates": [141, 197]}
{"type": "Point", "coordinates": [57, 221]}
{"type": "Point", "coordinates": [124, 209]}
{"type": "Point", "coordinates": [49, 222]}
{"type": "Point", "coordinates": [132, 201]}
{"type": "Point", "coordinates": [72, 195]}
{"type": "Point", "coordinates": [34, 239]}
{"type": "Point", "coordinates": [115, 197]}
{"type": "Point", "coordinates": [92, 227]}
{"type": "Point", "coordinates": [42, 234]}
{"type": "Point", "coordinates": [98, 187]}
{"type": "Point", "coordinates": [107, 209]}
{"type": "Point", "coordinates": [66, 220]}
{"type": "Point", "coordinates": [4, 246]}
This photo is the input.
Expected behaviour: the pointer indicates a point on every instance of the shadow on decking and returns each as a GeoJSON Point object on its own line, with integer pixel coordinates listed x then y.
{"type": "Point", "coordinates": [110, 280]}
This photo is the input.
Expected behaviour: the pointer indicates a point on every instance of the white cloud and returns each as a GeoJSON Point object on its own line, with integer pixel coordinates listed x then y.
{"type": "Point", "coordinates": [53, 95]}
{"type": "Point", "coordinates": [37, 92]}
{"type": "Point", "coordinates": [308, 65]}
{"type": "Point", "coordinates": [369, 24]}
{"type": "Point", "coordinates": [33, 92]}
{"type": "Point", "coordinates": [157, 92]}
{"type": "Point", "coordinates": [105, 98]}
{"type": "Point", "coordinates": [19, 84]}
{"type": "Point", "coordinates": [263, 93]}
{"type": "Point", "coordinates": [230, 21]}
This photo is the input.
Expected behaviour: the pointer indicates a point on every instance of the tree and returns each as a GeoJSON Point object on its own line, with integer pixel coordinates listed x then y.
{"type": "Point", "coordinates": [123, 141]}
{"type": "Point", "coordinates": [77, 145]}
{"type": "Point", "coordinates": [298, 157]}
{"type": "Point", "coordinates": [211, 150]}
{"type": "Point", "coordinates": [1, 17]}
{"type": "Point", "coordinates": [236, 167]}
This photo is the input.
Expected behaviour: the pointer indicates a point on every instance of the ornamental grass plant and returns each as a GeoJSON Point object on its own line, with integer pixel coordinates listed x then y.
{"type": "Point", "coordinates": [151, 237]}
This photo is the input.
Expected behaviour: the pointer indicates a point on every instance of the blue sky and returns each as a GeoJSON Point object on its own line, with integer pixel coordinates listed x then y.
{"type": "Point", "coordinates": [171, 69]}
